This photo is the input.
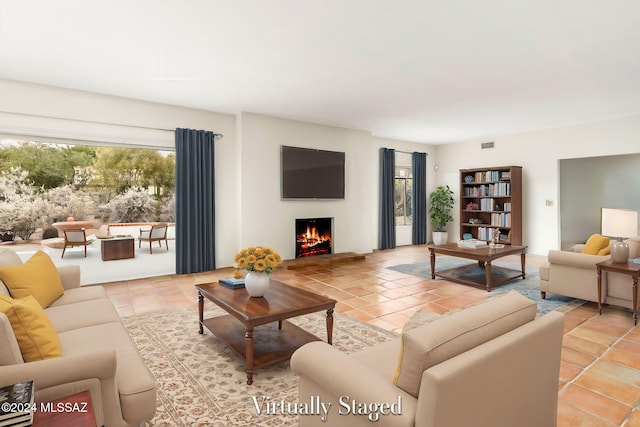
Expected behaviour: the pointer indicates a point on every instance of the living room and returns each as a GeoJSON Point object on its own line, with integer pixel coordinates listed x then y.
{"type": "Point", "coordinates": [250, 209]}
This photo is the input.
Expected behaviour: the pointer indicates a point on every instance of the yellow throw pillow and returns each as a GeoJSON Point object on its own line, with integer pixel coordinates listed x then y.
{"type": "Point", "coordinates": [595, 243]}
{"type": "Point", "coordinates": [38, 276]}
{"type": "Point", "coordinates": [34, 332]}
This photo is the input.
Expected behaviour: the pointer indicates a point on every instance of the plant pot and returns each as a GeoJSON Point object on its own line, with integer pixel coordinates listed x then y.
{"type": "Point", "coordinates": [439, 237]}
{"type": "Point", "coordinates": [256, 283]}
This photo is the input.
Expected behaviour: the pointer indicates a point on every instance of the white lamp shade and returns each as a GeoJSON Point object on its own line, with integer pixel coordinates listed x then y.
{"type": "Point", "coordinates": [619, 223]}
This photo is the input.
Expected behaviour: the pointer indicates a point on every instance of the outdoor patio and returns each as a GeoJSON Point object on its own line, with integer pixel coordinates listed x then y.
{"type": "Point", "coordinates": [93, 270]}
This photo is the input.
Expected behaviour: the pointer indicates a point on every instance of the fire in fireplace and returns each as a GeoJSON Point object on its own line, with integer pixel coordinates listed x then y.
{"type": "Point", "coordinates": [313, 237]}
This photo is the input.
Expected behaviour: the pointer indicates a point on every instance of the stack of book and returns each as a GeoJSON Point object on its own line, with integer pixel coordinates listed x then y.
{"type": "Point", "coordinates": [17, 405]}
{"type": "Point", "coordinates": [472, 244]}
{"type": "Point", "coordinates": [232, 282]}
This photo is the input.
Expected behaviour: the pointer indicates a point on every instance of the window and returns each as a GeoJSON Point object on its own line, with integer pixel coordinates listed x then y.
{"type": "Point", "coordinates": [403, 184]}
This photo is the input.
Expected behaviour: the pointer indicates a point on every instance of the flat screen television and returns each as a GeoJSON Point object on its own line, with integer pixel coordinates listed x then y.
{"type": "Point", "coordinates": [308, 173]}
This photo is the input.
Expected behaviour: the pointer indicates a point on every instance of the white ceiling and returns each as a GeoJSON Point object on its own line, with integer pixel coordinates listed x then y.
{"type": "Point", "coordinates": [418, 70]}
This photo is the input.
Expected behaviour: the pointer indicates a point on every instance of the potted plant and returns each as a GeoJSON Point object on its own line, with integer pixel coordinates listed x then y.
{"type": "Point", "coordinates": [440, 205]}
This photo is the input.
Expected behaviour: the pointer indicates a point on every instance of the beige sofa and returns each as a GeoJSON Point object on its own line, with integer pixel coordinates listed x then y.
{"type": "Point", "coordinates": [573, 274]}
{"type": "Point", "coordinates": [97, 354]}
{"type": "Point", "coordinates": [494, 364]}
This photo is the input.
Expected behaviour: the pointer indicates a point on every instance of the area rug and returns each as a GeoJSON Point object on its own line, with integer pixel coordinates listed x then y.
{"type": "Point", "coordinates": [529, 287]}
{"type": "Point", "coordinates": [201, 382]}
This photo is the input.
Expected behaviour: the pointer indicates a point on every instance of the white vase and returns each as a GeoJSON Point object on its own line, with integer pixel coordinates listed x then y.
{"type": "Point", "coordinates": [256, 283]}
{"type": "Point", "coordinates": [440, 237]}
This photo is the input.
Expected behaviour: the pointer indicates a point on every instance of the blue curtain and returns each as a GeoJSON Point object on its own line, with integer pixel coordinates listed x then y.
{"type": "Point", "coordinates": [419, 199]}
{"type": "Point", "coordinates": [387, 232]}
{"type": "Point", "coordinates": [195, 201]}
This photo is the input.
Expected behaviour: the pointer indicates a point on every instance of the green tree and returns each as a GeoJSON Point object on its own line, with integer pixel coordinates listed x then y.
{"type": "Point", "coordinates": [119, 169]}
{"type": "Point", "coordinates": [47, 165]}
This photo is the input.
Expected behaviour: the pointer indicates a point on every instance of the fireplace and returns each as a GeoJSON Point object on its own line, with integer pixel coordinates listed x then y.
{"type": "Point", "coordinates": [313, 236]}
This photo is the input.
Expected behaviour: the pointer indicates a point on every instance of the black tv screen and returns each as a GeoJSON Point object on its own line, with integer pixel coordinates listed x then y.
{"type": "Point", "coordinates": [312, 174]}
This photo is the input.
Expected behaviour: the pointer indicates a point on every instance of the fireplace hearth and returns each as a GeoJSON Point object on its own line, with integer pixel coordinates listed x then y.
{"type": "Point", "coordinates": [313, 237]}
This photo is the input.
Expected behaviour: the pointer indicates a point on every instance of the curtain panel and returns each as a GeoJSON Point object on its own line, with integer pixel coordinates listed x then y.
{"type": "Point", "coordinates": [387, 224]}
{"type": "Point", "coordinates": [195, 201]}
{"type": "Point", "coordinates": [419, 199]}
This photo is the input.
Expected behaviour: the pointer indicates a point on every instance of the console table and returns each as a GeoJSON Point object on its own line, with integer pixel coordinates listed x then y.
{"type": "Point", "coordinates": [631, 269]}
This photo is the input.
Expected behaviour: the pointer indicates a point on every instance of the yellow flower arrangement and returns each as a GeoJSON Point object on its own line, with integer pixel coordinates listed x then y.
{"type": "Point", "coordinates": [258, 258]}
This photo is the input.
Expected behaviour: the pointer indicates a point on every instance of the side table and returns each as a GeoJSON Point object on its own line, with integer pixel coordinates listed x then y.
{"type": "Point", "coordinates": [117, 248]}
{"type": "Point", "coordinates": [631, 269]}
{"type": "Point", "coordinates": [71, 411]}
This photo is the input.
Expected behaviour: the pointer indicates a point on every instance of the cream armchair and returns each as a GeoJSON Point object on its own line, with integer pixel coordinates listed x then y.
{"type": "Point", "coordinates": [492, 365]}
{"type": "Point", "coordinates": [573, 274]}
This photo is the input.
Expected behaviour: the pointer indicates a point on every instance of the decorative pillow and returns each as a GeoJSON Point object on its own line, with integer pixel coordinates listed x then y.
{"type": "Point", "coordinates": [605, 251]}
{"type": "Point", "coordinates": [38, 276]}
{"type": "Point", "coordinates": [34, 332]}
{"type": "Point", "coordinates": [449, 336]}
{"type": "Point", "coordinates": [595, 243]}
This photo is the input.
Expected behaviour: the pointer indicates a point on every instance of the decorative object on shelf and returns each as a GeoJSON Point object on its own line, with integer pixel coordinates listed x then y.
{"type": "Point", "coordinates": [472, 206]}
{"type": "Point", "coordinates": [468, 179]}
{"type": "Point", "coordinates": [259, 261]}
{"type": "Point", "coordinates": [619, 224]}
{"type": "Point", "coordinates": [441, 202]}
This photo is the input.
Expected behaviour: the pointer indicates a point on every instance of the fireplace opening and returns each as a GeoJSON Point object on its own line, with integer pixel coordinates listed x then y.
{"type": "Point", "coordinates": [313, 237]}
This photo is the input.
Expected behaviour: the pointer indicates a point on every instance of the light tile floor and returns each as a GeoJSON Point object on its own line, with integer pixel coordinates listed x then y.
{"type": "Point", "coordinates": [599, 382]}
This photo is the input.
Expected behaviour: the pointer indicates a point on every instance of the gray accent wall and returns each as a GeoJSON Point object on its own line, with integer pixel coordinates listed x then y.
{"type": "Point", "coordinates": [589, 184]}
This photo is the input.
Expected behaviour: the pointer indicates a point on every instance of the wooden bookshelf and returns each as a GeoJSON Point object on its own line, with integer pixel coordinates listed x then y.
{"type": "Point", "coordinates": [491, 198]}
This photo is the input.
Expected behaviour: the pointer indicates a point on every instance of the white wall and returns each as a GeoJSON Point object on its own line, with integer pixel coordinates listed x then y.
{"type": "Point", "coordinates": [539, 154]}
{"type": "Point", "coordinates": [268, 220]}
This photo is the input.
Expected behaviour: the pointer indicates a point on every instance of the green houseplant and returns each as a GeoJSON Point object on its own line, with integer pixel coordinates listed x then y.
{"type": "Point", "coordinates": [440, 205]}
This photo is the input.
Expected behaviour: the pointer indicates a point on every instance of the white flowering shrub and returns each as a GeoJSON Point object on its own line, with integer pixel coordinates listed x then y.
{"type": "Point", "coordinates": [21, 215]}
{"type": "Point", "coordinates": [64, 202]}
{"type": "Point", "coordinates": [168, 208]}
{"type": "Point", "coordinates": [22, 210]}
{"type": "Point", "coordinates": [134, 205]}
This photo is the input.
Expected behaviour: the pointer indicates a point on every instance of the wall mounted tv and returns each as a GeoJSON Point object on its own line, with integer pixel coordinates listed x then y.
{"type": "Point", "coordinates": [312, 174]}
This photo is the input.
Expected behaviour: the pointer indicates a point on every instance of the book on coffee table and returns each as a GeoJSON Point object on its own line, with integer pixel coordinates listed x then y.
{"type": "Point", "coordinates": [232, 282]}
{"type": "Point", "coordinates": [472, 243]}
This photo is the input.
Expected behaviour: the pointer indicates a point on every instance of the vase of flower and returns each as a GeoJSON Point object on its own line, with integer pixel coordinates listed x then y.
{"type": "Point", "coordinates": [259, 261]}
{"type": "Point", "coordinates": [256, 283]}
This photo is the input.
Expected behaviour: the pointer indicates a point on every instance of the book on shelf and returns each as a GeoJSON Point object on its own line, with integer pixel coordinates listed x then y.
{"type": "Point", "coordinates": [472, 243]}
{"type": "Point", "coordinates": [232, 282]}
{"type": "Point", "coordinates": [16, 404]}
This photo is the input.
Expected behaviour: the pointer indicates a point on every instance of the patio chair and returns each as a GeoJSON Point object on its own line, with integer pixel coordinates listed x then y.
{"type": "Point", "coordinates": [157, 233]}
{"type": "Point", "coordinates": [75, 237]}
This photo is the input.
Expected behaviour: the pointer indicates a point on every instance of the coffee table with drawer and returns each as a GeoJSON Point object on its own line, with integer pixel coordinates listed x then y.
{"type": "Point", "coordinates": [256, 328]}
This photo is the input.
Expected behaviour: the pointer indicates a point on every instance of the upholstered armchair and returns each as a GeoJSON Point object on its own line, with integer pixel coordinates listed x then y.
{"type": "Point", "coordinates": [494, 364]}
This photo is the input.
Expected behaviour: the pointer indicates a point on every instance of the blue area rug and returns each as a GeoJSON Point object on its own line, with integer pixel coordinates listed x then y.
{"type": "Point", "coordinates": [529, 287]}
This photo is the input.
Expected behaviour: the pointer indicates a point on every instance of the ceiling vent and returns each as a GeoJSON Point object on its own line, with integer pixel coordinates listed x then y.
{"type": "Point", "coordinates": [486, 145]}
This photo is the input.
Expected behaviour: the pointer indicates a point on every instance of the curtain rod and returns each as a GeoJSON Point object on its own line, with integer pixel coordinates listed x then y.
{"type": "Point", "coordinates": [408, 152]}
{"type": "Point", "coordinates": [217, 135]}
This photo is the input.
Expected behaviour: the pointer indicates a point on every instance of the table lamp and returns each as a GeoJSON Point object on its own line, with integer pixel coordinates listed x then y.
{"type": "Point", "coordinates": [619, 224]}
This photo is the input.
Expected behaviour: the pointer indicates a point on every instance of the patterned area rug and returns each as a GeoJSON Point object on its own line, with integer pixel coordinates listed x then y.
{"type": "Point", "coordinates": [529, 287]}
{"type": "Point", "coordinates": [201, 382]}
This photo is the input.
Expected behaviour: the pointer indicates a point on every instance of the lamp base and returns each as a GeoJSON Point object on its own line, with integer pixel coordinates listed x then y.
{"type": "Point", "coordinates": [619, 252]}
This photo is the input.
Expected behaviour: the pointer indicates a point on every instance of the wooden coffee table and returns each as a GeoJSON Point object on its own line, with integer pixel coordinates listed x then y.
{"type": "Point", "coordinates": [484, 256]}
{"type": "Point", "coordinates": [255, 328]}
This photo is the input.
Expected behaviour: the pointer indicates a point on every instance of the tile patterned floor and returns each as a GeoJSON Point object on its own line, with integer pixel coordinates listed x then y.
{"type": "Point", "coordinates": [599, 384]}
